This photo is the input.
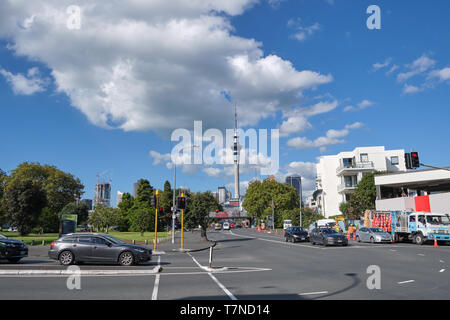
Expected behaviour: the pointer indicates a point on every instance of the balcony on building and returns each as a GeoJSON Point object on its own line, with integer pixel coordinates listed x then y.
{"type": "Point", "coordinates": [349, 165]}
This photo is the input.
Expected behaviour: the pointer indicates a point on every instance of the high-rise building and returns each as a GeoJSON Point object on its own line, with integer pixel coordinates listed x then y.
{"type": "Point", "coordinates": [236, 149]}
{"type": "Point", "coordinates": [339, 175]}
{"type": "Point", "coordinates": [296, 182]}
{"type": "Point", "coordinates": [87, 202]}
{"type": "Point", "coordinates": [135, 189]}
{"type": "Point", "coordinates": [119, 198]}
{"type": "Point", "coordinates": [222, 192]}
{"type": "Point", "coordinates": [102, 194]}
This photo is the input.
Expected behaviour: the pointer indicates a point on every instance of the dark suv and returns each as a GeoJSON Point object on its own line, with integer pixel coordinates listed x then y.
{"type": "Point", "coordinates": [295, 234]}
{"type": "Point", "coordinates": [93, 247]}
{"type": "Point", "coordinates": [12, 250]}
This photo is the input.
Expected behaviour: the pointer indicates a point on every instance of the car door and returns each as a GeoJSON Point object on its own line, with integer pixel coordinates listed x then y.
{"type": "Point", "coordinates": [103, 250]}
{"type": "Point", "coordinates": [363, 234]}
{"type": "Point", "coordinates": [83, 248]}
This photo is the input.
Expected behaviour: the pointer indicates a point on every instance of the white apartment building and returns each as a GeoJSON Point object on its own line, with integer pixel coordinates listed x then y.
{"type": "Point", "coordinates": [339, 175]}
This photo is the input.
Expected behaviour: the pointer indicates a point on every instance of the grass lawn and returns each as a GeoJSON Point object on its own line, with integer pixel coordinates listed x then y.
{"type": "Point", "coordinates": [49, 237]}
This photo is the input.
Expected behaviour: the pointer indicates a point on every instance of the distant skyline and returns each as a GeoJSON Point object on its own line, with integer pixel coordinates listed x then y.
{"type": "Point", "coordinates": [108, 95]}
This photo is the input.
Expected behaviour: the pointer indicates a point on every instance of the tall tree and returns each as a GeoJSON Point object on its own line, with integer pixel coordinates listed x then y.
{"type": "Point", "coordinates": [202, 205]}
{"type": "Point", "coordinates": [363, 198]}
{"type": "Point", "coordinates": [80, 209]}
{"type": "Point", "coordinates": [166, 202]}
{"type": "Point", "coordinates": [25, 200]}
{"type": "Point", "coordinates": [125, 212]}
{"type": "Point", "coordinates": [3, 181]}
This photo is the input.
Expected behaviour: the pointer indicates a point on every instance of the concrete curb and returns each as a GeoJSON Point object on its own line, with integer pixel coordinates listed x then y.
{"type": "Point", "coordinates": [194, 250]}
{"type": "Point", "coordinates": [80, 272]}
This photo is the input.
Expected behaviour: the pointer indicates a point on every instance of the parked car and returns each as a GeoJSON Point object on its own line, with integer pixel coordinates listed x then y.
{"type": "Point", "coordinates": [327, 236]}
{"type": "Point", "coordinates": [373, 235]}
{"type": "Point", "coordinates": [96, 247]}
{"type": "Point", "coordinates": [232, 226]}
{"type": "Point", "coordinates": [12, 250]}
{"type": "Point", "coordinates": [226, 226]}
{"type": "Point", "coordinates": [218, 226]}
{"type": "Point", "coordinates": [294, 234]}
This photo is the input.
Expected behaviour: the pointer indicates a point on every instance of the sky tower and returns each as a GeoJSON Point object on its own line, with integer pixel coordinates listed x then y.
{"type": "Point", "coordinates": [236, 149]}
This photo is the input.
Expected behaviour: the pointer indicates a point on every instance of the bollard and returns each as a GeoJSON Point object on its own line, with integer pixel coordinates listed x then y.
{"type": "Point", "coordinates": [134, 241]}
{"type": "Point", "coordinates": [210, 256]}
{"type": "Point", "coordinates": [43, 242]}
{"type": "Point", "coordinates": [146, 242]}
{"type": "Point", "coordinates": [32, 243]}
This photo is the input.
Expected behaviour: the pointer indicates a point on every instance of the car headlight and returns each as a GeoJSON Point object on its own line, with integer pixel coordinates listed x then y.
{"type": "Point", "coordinates": [9, 245]}
{"type": "Point", "coordinates": [378, 238]}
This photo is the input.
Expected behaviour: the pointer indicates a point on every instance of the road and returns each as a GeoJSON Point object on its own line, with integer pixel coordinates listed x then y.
{"type": "Point", "coordinates": [252, 265]}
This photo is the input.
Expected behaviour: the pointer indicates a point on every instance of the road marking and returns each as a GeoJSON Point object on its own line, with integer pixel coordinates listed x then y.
{"type": "Point", "coordinates": [421, 254]}
{"type": "Point", "coordinates": [392, 250]}
{"type": "Point", "coordinates": [156, 286]}
{"type": "Point", "coordinates": [312, 293]}
{"type": "Point", "coordinates": [441, 261]}
{"type": "Point", "coordinates": [407, 281]}
{"type": "Point", "coordinates": [229, 294]}
{"type": "Point", "coordinates": [442, 270]}
{"type": "Point", "coordinates": [276, 241]}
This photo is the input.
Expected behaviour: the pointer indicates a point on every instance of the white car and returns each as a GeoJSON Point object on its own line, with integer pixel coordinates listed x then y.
{"type": "Point", "coordinates": [226, 226]}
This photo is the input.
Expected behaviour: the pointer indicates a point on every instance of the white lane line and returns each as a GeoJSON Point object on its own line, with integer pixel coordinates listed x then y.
{"type": "Point", "coordinates": [280, 242]}
{"type": "Point", "coordinates": [441, 261]}
{"type": "Point", "coordinates": [442, 270]}
{"type": "Point", "coordinates": [407, 281]}
{"type": "Point", "coordinates": [312, 293]}
{"type": "Point", "coordinates": [392, 250]}
{"type": "Point", "coordinates": [156, 287]}
{"type": "Point", "coordinates": [421, 254]}
{"type": "Point", "coordinates": [229, 294]}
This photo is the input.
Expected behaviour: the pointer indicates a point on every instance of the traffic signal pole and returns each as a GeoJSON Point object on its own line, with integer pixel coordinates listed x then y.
{"type": "Point", "coordinates": [182, 225]}
{"type": "Point", "coordinates": [156, 220]}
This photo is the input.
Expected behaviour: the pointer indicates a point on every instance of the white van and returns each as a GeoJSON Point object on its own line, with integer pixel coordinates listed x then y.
{"type": "Point", "coordinates": [226, 226]}
{"type": "Point", "coordinates": [287, 224]}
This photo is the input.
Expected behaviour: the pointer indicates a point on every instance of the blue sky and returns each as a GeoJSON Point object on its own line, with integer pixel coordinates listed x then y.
{"type": "Point", "coordinates": [386, 87]}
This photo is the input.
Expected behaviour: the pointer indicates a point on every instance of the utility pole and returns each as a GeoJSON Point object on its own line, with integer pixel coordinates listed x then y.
{"type": "Point", "coordinates": [156, 220]}
{"type": "Point", "coordinates": [182, 225]}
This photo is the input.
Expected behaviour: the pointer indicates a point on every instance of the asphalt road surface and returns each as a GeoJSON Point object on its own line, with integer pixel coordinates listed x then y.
{"type": "Point", "coordinates": [252, 265]}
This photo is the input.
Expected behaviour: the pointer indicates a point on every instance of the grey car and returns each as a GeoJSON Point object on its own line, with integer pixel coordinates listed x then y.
{"type": "Point", "coordinates": [373, 235]}
{"type": "Point", "coordinates": [96, 247]}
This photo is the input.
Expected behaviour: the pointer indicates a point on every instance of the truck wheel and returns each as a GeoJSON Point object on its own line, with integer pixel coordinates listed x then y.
{"type": "Point", "coordinates": [419, 239]}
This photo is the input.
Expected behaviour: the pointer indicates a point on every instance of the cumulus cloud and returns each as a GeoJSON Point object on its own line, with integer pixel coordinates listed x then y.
{"type": "Point", "coordinates": [297, 118]}
{"type": "Point", "coordinates": [360, 106]}
{"type": "Point", "coordinates": [410, 89]}
{"type": "Point", "coordinates": [442, 75]}
{"type": "Point", "coordinates": [302, 32]}
{"type": "Point", "coordinates": [157, 65]}
{"type": "Point", "coordinates": [331, 137]}
{"type": "Point", "coordinates": [380, 65]}
{"type": "Point", "coordinates": [419, 66]}
{"type": "Point", "coordinates": [27, 84]}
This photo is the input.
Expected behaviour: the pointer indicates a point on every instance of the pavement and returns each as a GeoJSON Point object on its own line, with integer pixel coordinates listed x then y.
{"type": "Point", "coordinates": [250, 265]}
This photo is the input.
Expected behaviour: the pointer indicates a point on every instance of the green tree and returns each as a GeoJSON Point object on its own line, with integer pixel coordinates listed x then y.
{"type": "Point", "coordinates": [104, 218]}
{"type": "Point", "coordinates": [363, 198]}
{"type": "Point", "coordinates": [142, 218]}
{"type": "Point", "coordinates": [3, 182]}
{"type": "Point", "coordinates": [125, 207]}
{"type": "Point", "coordinates": [344, 208]}
{"type": "Point", "coordinates": [166, 202]}
{"type": "Point", "coordinates": [25, 200]}
{"type": "Point", "coordinates": [77, 208]}
{"type": "Point", "coordinates": [198, 215]}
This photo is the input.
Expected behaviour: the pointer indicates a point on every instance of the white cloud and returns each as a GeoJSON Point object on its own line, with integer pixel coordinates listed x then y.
{"type": "Point", "coordinates": [158, 65]}
{"type": "Point", "coordinates": [297, 118]}
{"type": "Point", "coordinates": [302, 32]}
{"type": "Point", "coordinates": [380, 65]}
{"type": "Point", "coordinates": [360, 106]}
{"type": "Point", "coordinates": [25, 84]}
{"type": "Point", "coordinates": [419, 66]}
{"type": "Point", "coordinates": [392, 69]}
{"type": "Point", "coordinates": [332, 137]}
{"type": "Point", "coordinates": [442, 75]}
{"type": "Point", "coordinates": [410, 89]}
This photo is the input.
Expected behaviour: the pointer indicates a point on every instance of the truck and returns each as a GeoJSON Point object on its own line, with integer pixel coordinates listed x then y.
{"type": "Point", "coordinates": [419, 227]}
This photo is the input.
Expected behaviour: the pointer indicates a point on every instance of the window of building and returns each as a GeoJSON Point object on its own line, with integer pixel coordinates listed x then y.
{"type": "Point", "coordinates": [364, 157]}
{"type": "Point", "coordinates": [394, 160]}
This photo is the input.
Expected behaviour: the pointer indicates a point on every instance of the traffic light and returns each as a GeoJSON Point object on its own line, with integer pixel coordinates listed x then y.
{"type": "Point", "coordinates": [153, 201]}
{"type": "Point", "coordinates": [415, 162]}
{"type": "Point", "coordinates": [160, 211]}
{"type": "Point", "coordinates": [181, 203]}
{"type": "Point", "coordinates": [408, 161]}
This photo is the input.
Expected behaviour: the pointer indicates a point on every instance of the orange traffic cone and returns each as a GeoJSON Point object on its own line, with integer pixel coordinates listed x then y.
{"type": "Point", "coordinates": [435, 242]}
{"type": "Point", "coordinates": [348, 236]}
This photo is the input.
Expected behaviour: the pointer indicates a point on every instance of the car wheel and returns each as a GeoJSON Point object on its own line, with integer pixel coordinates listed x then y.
{"type": "Point", "coordinates": [418, 239]}
{"type": "Point", "coordinates": [285, 239]}
{"type": "Point", "coordinates": [126, 258]}
{"type": "Point", "coordinates": [66, 258]}
{"type": "Point", "coordinates": [14, 260]}
{"type": "Point", "coordinates": [293, 240]}
{"type": "Point", "coordinates": [372, 240]}
{"type": "Point", "coordinates": [324, 242]}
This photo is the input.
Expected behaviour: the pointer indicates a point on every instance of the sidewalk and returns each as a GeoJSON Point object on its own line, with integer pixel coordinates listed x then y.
{"type": "Point", "coordinates": [192, 242]}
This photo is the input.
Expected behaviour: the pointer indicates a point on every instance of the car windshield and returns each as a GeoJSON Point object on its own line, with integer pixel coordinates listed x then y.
{"type": "Point", "coordinates": [297, 229]}
{"type": "Point", "coordinates": [329, 231]}
{"type": "Point", "coordinates": [113, 240]}
{"type": "Point", "coordinates": [438, 220]}
{"type": "Point", "coordinates": [376, 229]}
{"type": "Point", "coordinates": [3, 237]}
